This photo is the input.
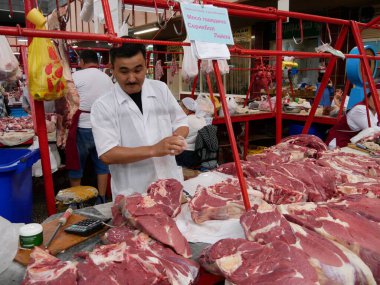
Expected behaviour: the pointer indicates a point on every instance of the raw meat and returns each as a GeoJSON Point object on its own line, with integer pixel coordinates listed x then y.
{"type": "Point", "coordinates": [308, 141]}
{"type": "Point", "coordinates": [350, 167]}
{"type": "Point", "coordinates": [153, 212]}
{"type": "Point", "coordinates": [369, 189]}
{"type": "Point", "coordinates": [334, 264]}
{"type": "Point", "coordinates": [164, 229]}
{"type": "Point", "coordinates": [320, 182]}
{"type": "Point", "coordinates": [357, 233]}
{"type": "Point", "coordinates": [168, 194]}
{"type": "Point", "coordinates": [137, 259]}
{"type": "Point", "coordinates": [245, 262]}
{"type": "Point", "coordinates": [221, 201]}
{"type": "Point", "coordinates": [358, 205]}
{"type": "Point", "coordinates": [45, 269]}
{"type": "Point", "coordinates": [250, 168]}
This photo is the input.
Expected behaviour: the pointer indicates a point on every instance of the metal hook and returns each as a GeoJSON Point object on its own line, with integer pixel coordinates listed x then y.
{"type": "Point", "coordinates": [133, 17]}
{"type": "Point", "coordinates": [161, 20]}
{"type": "Point", "coordinates": [301, 30]}
{"type": "Point", "coordinates": [178, 33]}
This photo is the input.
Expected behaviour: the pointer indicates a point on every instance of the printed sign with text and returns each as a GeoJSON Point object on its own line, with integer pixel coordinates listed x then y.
{"type": "Point", "coordinates": [207, 23]}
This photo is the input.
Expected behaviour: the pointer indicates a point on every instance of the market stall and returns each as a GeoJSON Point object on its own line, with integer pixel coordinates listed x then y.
{"type": "Point", "coordinates": [296, 213]}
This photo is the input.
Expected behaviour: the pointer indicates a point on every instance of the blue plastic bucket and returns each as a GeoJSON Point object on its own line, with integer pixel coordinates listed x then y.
{"type": "Point", "coordinates": [16, 195]}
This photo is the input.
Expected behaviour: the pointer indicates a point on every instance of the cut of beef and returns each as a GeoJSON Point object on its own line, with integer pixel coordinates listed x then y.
{"type": "Point", "coordinates": [153, 212]}
{"type": "Point", "coordinates": [250, 168]}
{"type": "Point", "coordinates": [164, 229]}
{"type": "Point", "coordinates": [352, 168]}
{"type": "Point", "coordinates": [45, 269]}
{"type": "Point", "coordinates": [168, 194]}
{"type": "Point", "coordinates": [220, 201]}
{"type": "Point", "coordinates": [309, 141]}
{"type": "Point", "coordinates": [369, 189]}
{"type": "Point", "coordinates": [244, 262]}
{"type": "Point", "coordinates": [358, 205]}
{"type": "Point", "coordinates": [279, 188]}
{"type": "Point", "coordinates": [357, 233]}
{"type": "Point", "coordinates": [334, 264]}
{"type": "Point", "coordinates": [320, 181]}
{"type": "Point", "coordinates": [137, 260]}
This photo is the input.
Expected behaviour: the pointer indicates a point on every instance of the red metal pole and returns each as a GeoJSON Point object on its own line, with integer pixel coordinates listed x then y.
{"type": "Point", "coordinates": [211, 94]}
{"type": "Point", "coordinates": [108, 17]}
{"type": "Point", "coordinates": [231, 135]}
{"type": "Point", "coordinates": [249, 89]}
{"type": "Point", "coordinates": [246, 140]}
{"type": "Point", "coordinates": [345, 92]}
{"type": "Point", "coordinates": [24, 55]}
{"type": "Point", "coordinates": [365, 94]}
{"type": "Point", "coordinates": [195, 81]}
{"type": "Point", "coordinates": [367, 69]}
{"type": "Point", "coordinates": [42, 139]}
{"type": "Point", "coordinates": [326, 77]}
{"type": "Point", "coordinates": [278, 81]}
{"type": "Point", "coordinates": [373, 22]}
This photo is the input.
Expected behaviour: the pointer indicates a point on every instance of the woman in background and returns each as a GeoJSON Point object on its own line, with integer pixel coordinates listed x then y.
{"type": "Point", "coordinates": [352, 123]}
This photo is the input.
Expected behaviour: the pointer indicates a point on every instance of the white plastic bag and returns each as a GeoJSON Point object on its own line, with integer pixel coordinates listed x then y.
{"type": "Point", "coordinates": [207, 67]}
{"type": "Point", "coordinates": [231, 104]}
{"type": "Point", "coordinates": [37, 167]}
{"type": "Point", "coordinates": [87, 12]}
{"type": "Point", "coordinates": [189, 64]}
{"type": "Point", "coordinates": [9, 242]}
{"type": "Point", "coordinates": [9, 65]}
{"type": "Point", "coordinates": [204, 108]}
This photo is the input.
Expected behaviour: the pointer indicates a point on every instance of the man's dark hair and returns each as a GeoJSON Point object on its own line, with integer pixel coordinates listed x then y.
{"type": "Point", "coordinates": [89, 56]}
{"type": "Point", "coordinates": [127, 50]}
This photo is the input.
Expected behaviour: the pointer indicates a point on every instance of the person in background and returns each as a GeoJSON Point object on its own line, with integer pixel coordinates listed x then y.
{"type": "Point", "coordinates": [329, 91]}
{"type": "Point", "coordinates": [91, 84]}
{"type": "Point", "coordinates": [337, 102]}
{"type": "Point", "coordinates": [352, 123]}
{"type": "Point", "coordinates": [3, 103]}
{"type": "Point", "coordinates": [189, 158]}
{"type": "Point", "coordinates": [138, 126]}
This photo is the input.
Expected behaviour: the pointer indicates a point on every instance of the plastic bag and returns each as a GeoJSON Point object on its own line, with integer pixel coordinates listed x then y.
{"type": "Point", "coordinates": [207, 67]}
{"type": "Point", "coordinates": [9, 65]}
{"type": "Point", "coordinates": [204, 108]}
{"type": "Point", "coordinates": [231, 104]}
{"type": "Point", "coordinates": [9, 243]}
{"type": "Point", "coordinates": [189, 64]}
{"type": "Point", "coordinates": [46, 81]}
{"type": "Point", "coordinates": [55, 159]}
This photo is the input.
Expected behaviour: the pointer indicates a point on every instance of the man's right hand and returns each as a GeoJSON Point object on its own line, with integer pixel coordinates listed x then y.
{"type": "Point", "coordinates": [172, 145]}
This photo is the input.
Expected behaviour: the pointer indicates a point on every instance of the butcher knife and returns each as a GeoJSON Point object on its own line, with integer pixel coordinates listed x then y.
{"type": "Point", "coordinates": [61, 222]}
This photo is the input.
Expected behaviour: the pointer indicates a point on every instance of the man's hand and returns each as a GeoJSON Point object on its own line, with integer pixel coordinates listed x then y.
{"type": "Point", "coordinates": [172, 145]}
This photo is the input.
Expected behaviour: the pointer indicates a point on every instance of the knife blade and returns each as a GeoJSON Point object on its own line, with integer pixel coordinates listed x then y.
{"type": "Point", "coordinates": [61, 222]}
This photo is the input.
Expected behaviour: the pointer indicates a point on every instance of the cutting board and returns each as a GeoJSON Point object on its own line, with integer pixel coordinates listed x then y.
{"type": "Point", "coordinates": [62, 240]}
{"type": "Point", "coordinates": [353, 146]}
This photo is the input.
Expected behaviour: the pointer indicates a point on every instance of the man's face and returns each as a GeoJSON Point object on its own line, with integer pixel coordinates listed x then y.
{"type": "Point", "coordinates": [130, 72]}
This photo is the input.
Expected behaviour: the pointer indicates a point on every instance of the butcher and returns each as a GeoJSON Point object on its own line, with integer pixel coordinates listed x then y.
{"type": "Point", "coordinates": [352, 123]}
{"type": "Point", "coordinates": [138, 126]}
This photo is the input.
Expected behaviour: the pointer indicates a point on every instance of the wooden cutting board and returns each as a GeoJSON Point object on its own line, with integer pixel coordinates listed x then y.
{"type": "Point", "coordinates": [62, 240]}
{"type": "Point", "coordinates": [353, 146]}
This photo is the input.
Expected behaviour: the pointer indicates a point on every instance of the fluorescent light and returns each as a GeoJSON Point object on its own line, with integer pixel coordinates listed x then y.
{"type": "Point", "coordinates": [16, 52]}
{"type": "Point", "coordinates": [253, 37]}
{"type": "Point", "coordinates": [146, 31]}
{"type": "Point", "coordinates": [74, 46]}
{"type": "Point", "coordinates": [22, 39]}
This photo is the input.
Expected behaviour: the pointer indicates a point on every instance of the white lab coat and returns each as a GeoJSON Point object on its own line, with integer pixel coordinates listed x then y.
{"type": "Point", "coordinates": [117, 121]}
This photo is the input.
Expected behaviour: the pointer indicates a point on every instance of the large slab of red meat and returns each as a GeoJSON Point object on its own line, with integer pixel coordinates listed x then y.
{"type": "Point", "coordinates": [152, 213]}
{"type": "Point", "coordinates": [45, 269]}
{"type": "Point", "coordinates": [245, 262]}
{"type": "Point", "coordinates": [358, 205]}
{"type": "Point", "coordinates": [333, 263]}
{"type": "Point", "coordinates": [137, 260]}
{"type": "Point", "coordinates": [350, 167]}
{"type": "Point", "coordinates": [309, 141]}
{"type": "Point", "coordinates": [220, 201]}
{"type": "Point", "coordinates": [369, 189]}
{"type": "Point", "coordinates": [355, 232]}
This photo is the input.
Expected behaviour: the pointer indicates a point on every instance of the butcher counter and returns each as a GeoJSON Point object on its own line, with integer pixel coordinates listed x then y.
{"type": "Point", "coordinates": [15, 272]}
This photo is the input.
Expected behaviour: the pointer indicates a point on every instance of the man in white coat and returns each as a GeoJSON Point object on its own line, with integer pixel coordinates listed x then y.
{"type": "Point", "coordinates": [138, 127]}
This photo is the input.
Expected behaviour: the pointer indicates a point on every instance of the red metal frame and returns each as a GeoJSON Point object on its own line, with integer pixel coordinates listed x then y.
{"type": "Point", "coordinates": [39, 114]}
{"type": "Point", "coordinates": [233, 9]}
